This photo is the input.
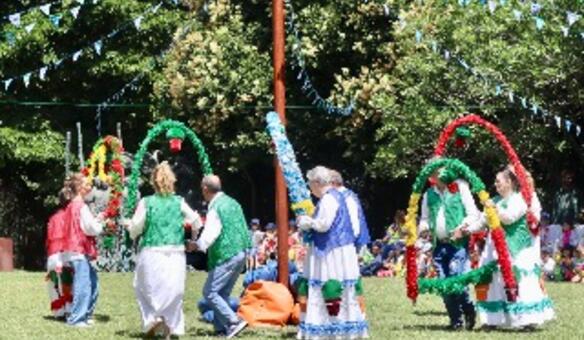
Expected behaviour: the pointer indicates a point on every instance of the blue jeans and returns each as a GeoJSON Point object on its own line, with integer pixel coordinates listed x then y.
{"type": "Point", "coordinates": [85, 292]}
{"type": "Point", "coordinates": [217, 289]}
{"type": "Point", "coordinates": [451, 261]}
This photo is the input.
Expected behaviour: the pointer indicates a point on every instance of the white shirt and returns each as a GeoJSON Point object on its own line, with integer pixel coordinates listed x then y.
{"type": "Point", "coordinates": [138, 221]}
{"type": "Point", "coordinates": [472, 213]}
{"type": "Point", "coordinates": [322, 221]}
{"type": "Point", "coordinates": [549, 265]}
{"type": "Point", "coordinates": [353, 211]}
{"type": "Point", "coordinates": [212, 228]}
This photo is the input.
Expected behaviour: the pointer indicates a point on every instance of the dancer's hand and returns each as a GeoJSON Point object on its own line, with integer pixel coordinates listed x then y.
{"type": "Point", "coordinates": [192, 246]}
{"type": "Point", "coordinates": [303, 222]}
{"type": "Point", "coordinates": [457, 234]}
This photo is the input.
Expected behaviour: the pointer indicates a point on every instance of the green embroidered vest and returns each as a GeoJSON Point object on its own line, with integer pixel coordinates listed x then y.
{"type": "Point", "coordinates": [517, 234]}
{"type": "Point", "coordinates": [164, 222]}
{"type": "Point", "coordinates": [234, 237]}
{"type": "Point", "coordinates": [454, 212]}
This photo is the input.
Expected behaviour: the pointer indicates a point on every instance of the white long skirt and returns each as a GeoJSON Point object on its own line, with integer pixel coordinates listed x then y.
{"type": "Point", "coordinates": [159, 283]}
{"type": "Point", "coordinates": [339, 264]}
{"type": "Point", "coordinates": [533, 306]}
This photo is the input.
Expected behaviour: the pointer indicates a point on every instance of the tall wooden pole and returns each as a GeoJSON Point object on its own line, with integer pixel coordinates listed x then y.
{"type": "Point", "coordinates": [280, 107]}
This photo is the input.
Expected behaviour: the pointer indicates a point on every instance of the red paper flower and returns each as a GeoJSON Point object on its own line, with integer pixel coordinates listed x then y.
{"type": "Point", "coordinates": [453, 187]}
{"type": "Point", "coordinates": [412, 273]}
{"type": "Point", "coordinates": [117, 166]}
{"type": "Point", "coordinates": [85, 171]}
{"type": "Point", "coordinates": [432, 181]}
{"type": "Point", "coordinates": [333, 307]}
{"type": "Point", "coordinates": [175, 145]}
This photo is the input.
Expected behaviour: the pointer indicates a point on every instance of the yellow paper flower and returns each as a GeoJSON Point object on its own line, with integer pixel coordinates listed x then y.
{"type": "Point", "coordinates": [306, 205]}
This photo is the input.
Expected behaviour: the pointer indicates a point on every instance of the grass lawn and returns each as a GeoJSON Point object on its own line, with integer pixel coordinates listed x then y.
{"type": "Point", "coordinates": [24, 313]}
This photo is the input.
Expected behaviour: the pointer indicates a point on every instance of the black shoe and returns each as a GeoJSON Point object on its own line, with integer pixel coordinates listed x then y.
{"type": "Point", "coordinates": [488, 328]}
{"type": "Point", "coordinates": [529, 328]}
{"type": "Point", "coordinates": [454, 327]}
{"type": "Point", "coordinates": [470, 320]}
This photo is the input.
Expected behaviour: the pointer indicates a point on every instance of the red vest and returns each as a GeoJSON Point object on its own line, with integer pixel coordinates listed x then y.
{"type": "Point", "coordinates": [77, 241]}
{"type": "Point", "coordinates": [56, 233]}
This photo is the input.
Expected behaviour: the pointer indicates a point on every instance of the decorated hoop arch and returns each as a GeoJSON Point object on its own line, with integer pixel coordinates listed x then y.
{"type": "Point", "coordinates": [454, 169]}
{"type": "Point", "coordinates": [110, 172]}
{"type": "Point", "coordinates": [176, 132]}
{"type": "Point", "coordinates": [526, 190]}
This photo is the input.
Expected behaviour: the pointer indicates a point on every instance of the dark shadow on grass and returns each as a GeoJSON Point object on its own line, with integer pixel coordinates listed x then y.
{"type": "Point", "coordinates": [54, 319]}
{"type": "Point", "coordinates": [430, 313]}
{"type": "Point", "coordinates": [443, 328]}
{"type": "Point", "coordinates": [266, 333]}
{"type": "Point", "coordinates": [101, 318]}
{"type": "Point", "coordinates": [139, 335]}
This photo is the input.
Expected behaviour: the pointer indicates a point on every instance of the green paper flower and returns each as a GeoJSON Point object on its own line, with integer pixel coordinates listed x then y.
{"type": "Point", "coordinates": [332, 290]}
{"type": "Point", "coordinates": [175, 133]}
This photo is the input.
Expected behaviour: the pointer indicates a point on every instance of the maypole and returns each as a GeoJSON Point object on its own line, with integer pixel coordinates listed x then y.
{"type": "Point", "coordinates": [280, 107]}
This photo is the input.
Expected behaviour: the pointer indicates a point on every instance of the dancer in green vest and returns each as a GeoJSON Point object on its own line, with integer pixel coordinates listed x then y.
{"type": "Point", "coordinates": [225, 238]}
{"type": "Point", "coordinates": [160, 275]}
{"type": "Point", "coordinates": [450, 213]}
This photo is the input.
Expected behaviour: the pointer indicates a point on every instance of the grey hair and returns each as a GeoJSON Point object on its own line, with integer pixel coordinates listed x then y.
{"type": "Point", "coordinates": [212, 183]}
{"type": "Point", "coordinates": [336, 177]}
{"type": "Point", "coordinates": [319, 174]}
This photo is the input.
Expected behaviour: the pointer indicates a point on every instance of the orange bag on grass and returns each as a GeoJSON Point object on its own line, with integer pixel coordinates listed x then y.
{"type": "Point", "coordinates": [266, 303]}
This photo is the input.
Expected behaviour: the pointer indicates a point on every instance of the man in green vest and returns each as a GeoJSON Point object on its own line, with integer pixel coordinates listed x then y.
{"type": "Point", "coordinates": [225, 238]}
{"type": "Point", "coordinates": [450, 213]}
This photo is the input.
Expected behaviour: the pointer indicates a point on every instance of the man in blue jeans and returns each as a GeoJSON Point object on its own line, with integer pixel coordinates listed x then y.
{"type": "Point", "coordinates": [226, 239]}
{"type": "Point", "coordinates": [450, 213]}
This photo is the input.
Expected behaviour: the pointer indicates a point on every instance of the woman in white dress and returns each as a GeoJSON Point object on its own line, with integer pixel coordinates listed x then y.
{"type": "Point", "coordinates": [332, 279]}
{"type": "Point", "coordinates": [532, 306]}
{"type": "Point", "coordinates": [159, 280]}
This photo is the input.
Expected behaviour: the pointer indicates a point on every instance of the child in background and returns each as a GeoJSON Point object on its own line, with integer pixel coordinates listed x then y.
{"type": "Point", "coordinates": [548, 265]}
{"type": "Point", "coordinates": [269, 247]}
{"type": "Point", "coordinates": [567, 265]}
{"type": "Point", "coordinates": [578, 266]}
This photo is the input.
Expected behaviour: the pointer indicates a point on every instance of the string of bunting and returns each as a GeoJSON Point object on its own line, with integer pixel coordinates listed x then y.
{"type": "Point", "coordinates": [534, 10]}
{"type": "Point", "coordinates": [96, 46]}
{"type": "Point", "coordinates": [55, 18]}
{"type": "Point", "coordinates": [500, 88]}
{"type": "Point", "coordinates": [299, 63]}
{"type": "Point", "coordinates": [132, 84]}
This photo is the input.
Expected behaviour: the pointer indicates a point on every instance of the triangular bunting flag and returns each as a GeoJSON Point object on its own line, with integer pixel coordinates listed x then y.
{"type": "Point", "coordinates": [14, 19]}
{"type": "Point", "coordinates": [434, 47]}
{"type": "Point", "coordinates": [28, 28]}
{"type": "Point", "coordinates": [11, 38]}
{"type": "Point", "coordinates": [503, 2]}
{"type": "Point", "coordinates": [75, 11]}
{"type": "Point", "coordinates": [568, 125]}
{"type": "Point", "coordinates": [517, 14]}
{"type": "Point", "coordinates": [46, 9]}
{"type": "Point", "coordinates": [535, 8]}
{"type": "Point", "coordinates": [578, 130]}
{"type": "Point", "coordinates": [498, 90]}
{"type": "Point", "coordinates": [138, 22]}
{"type": "Point", "coordinates": [7, 83]}
{"type": "Point", "coordinates": [43, 72]}
{"type": "Point", "coordinates": [76, 55]}
{"type": "Point", "coordinates": [539, 23]}
{"type": "Point", "coordinates": [58, 62]}
{"type": "Point", "coordinates": [565, 30]}
{"type": "Point", "coordinates": [447, 55]}
{"type": "Point", "coordinates": [558, 121]}
{"type": "Point", "coordinates": [572, 17]}
{"type": "Point", "coordinates": [385, 9]}
{"type": "Point", "coordinates": [82, 2]}
{"type": "Point", "coordinates": [418, 36]}
{"type": "Point", "coordinates": [511, 97]}
{"type": "Point", "coordinates": [463, 63]}
{"type": "Point", "coordinates": [55, 19]}
{"type": "Point", "coordinates": [97, 46]}
{"type": "Point", "coordinates": [156, 8]}
{"type": "Point", "coordinates": [534, 108]}
{"type": "Point", "coordinates": [492, 6]}
{"type": "Point", "coordinates": [26, 79]}
{"type": "Point", "coordinates": [524, 102]}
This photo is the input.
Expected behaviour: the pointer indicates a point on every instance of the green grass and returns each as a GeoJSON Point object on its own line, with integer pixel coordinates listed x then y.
{"type": "Point", "coordinates": [24, 313]}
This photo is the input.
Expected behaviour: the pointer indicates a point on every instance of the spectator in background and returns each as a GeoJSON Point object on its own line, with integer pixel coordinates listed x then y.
{"type": "Point", "coordinates": [372, 267]}
{"type": "Point", "coordinates": [566, 200]}
{"type": "Point", "coordinates": [548, 265]}
{"type": "Point", "coordinates": [394, 239]}
{"type": "Point", "coordinates": [269, 247]}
